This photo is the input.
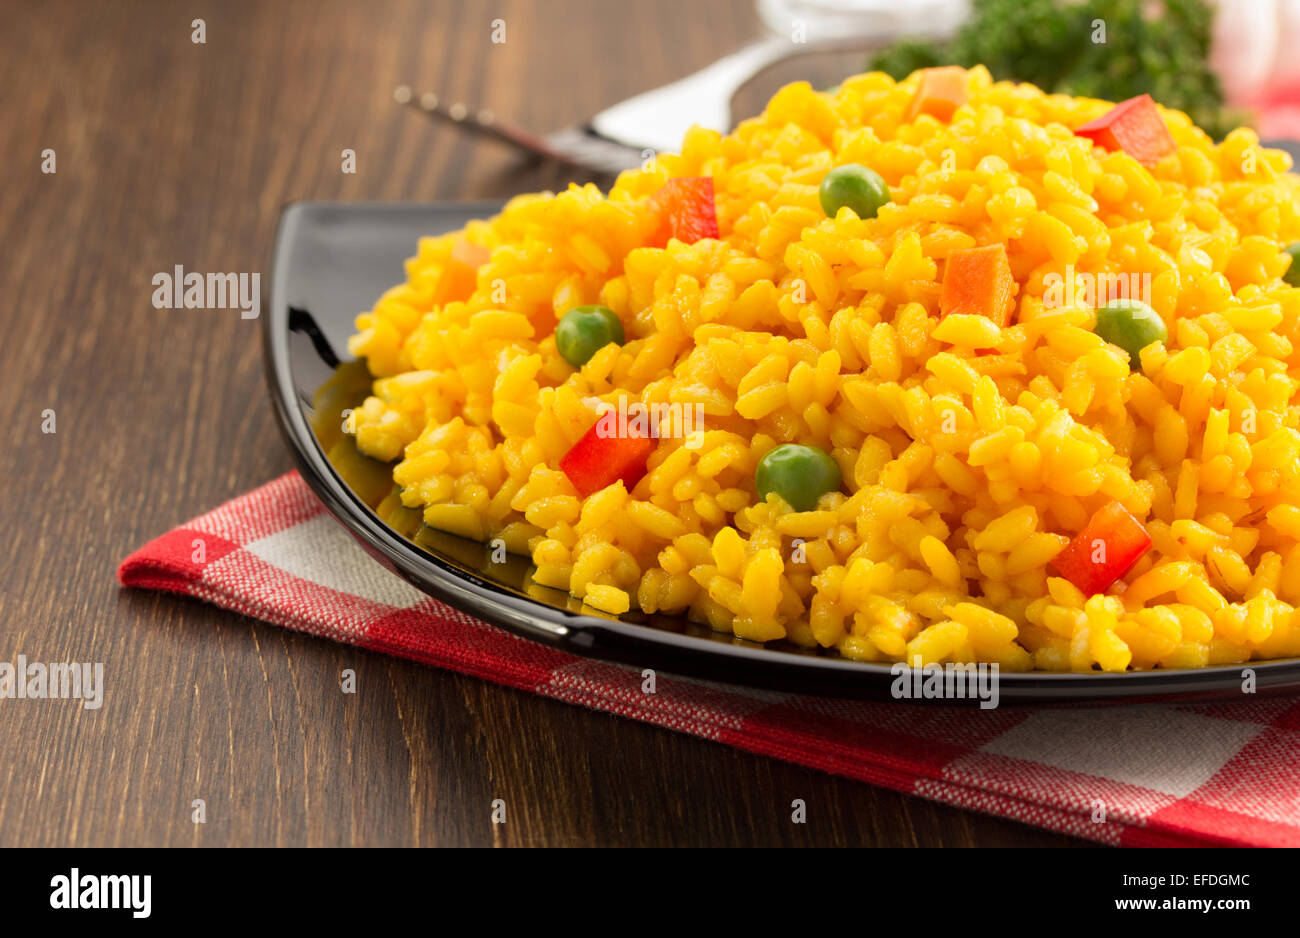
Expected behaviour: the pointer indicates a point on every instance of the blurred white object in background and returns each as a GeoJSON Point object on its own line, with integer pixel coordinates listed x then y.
{"type": "Point", "coordinates": [1255, 44]}
{"type": "Point", "coordinates": [1287, 67]}
{"type": "Point", "coordinates": [1254, 55]}
{"type": "Point", "coordinates": [658, 120]}
{"type": "Point", "coordinates": [1245, 46]}
{"type": "Point", "coordinates": [888, 19]}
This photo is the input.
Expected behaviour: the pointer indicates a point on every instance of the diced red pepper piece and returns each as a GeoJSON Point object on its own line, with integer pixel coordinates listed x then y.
{"type": "Point", "coordinates": [942, 91]}
{"type": "Point", "coordinates": [687, 209]}
{"type": "Point", "coordinates": [1134, 126]}
{"type": "Point", "coordinates": [978, 281]}
{"type": "Point", "coordinates": [606, 453]}
{"type": "Point", "coordinates": [1106, 549]}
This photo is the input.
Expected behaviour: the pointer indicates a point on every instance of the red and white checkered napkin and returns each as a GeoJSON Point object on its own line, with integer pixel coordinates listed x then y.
{"type": "Point", "coordinates": [1223, 774]}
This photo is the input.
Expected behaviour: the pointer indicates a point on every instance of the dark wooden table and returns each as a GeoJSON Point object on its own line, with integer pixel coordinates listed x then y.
{"type": "Point", "coordinates": [169, 152]}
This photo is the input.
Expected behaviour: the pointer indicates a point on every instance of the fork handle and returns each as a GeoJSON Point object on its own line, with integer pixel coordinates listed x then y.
{"type": "Point", "coordinates": [481, 121]}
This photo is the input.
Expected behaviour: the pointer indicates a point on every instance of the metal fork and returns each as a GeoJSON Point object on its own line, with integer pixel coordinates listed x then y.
{"type": "Point", "coordinates": [625, 135]}
{"type": "Point", "coordinates": [575, 146]}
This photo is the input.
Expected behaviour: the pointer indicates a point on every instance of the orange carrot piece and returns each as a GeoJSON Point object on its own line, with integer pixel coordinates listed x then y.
{"type": "Point", "coordinates": [472, 255]}
{"type": "Point", "coordinates": [460, 275]}
{"type": "Point", "coordinates": [978, 281]}
{"type": "Point", "coordinates": [942, 91]}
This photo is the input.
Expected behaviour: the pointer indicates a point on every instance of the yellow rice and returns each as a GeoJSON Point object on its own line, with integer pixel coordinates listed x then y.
{"type": "Point", "coordinates": [970, 453]}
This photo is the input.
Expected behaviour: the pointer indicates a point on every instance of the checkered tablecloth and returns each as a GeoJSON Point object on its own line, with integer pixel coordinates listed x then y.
{"type": "Point", "coordinates": [1194, 774]}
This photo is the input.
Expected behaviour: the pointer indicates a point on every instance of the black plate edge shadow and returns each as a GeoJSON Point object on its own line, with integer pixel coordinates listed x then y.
{"type": "Point", "coordinates": [632, 643]}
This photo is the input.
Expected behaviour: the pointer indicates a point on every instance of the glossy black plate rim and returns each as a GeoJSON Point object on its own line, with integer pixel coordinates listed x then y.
{"type": "Point", "coordinates": [631, 643]}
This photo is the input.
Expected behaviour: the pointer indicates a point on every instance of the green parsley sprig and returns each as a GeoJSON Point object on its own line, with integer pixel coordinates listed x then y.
{"type": "Point", "coordinates": [1161, 49]}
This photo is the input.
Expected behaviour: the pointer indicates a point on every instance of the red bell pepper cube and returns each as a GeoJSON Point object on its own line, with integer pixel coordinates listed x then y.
{"type": "Point", "coordinates": [606, 453]}
{"type": "Point", "coordinates": [979, 282]}
{"type": "Point", "coordinates": [1106, 549]}
{"type": "Point", "coordinates": [687, 210]}
{"type": "Point", "coordinates": [1134, 126]}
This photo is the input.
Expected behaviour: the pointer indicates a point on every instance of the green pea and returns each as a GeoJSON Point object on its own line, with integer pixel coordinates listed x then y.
{"type": "Point", "coordinates": [1132, 325]}
{"type": "Point", "coordinates": [1292, 275]}
{"type": "Point", "coordinates": [799, 474]}
{"type": "Point", "coordinates": [585, 330]}
{"type": "Point", "coordinates": [859, 188]}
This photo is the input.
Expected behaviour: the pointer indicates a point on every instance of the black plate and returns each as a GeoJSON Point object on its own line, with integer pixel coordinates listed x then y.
{"type": "Point", "coordinates": [332, 261]}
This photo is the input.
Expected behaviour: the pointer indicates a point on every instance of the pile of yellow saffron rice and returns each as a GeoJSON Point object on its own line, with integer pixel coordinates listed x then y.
{"type": "Point", "coordinates": [970, 453]}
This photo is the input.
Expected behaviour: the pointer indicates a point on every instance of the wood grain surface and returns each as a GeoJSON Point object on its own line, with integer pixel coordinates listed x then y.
{"type": "Point", "coordinates": [169, 152]}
